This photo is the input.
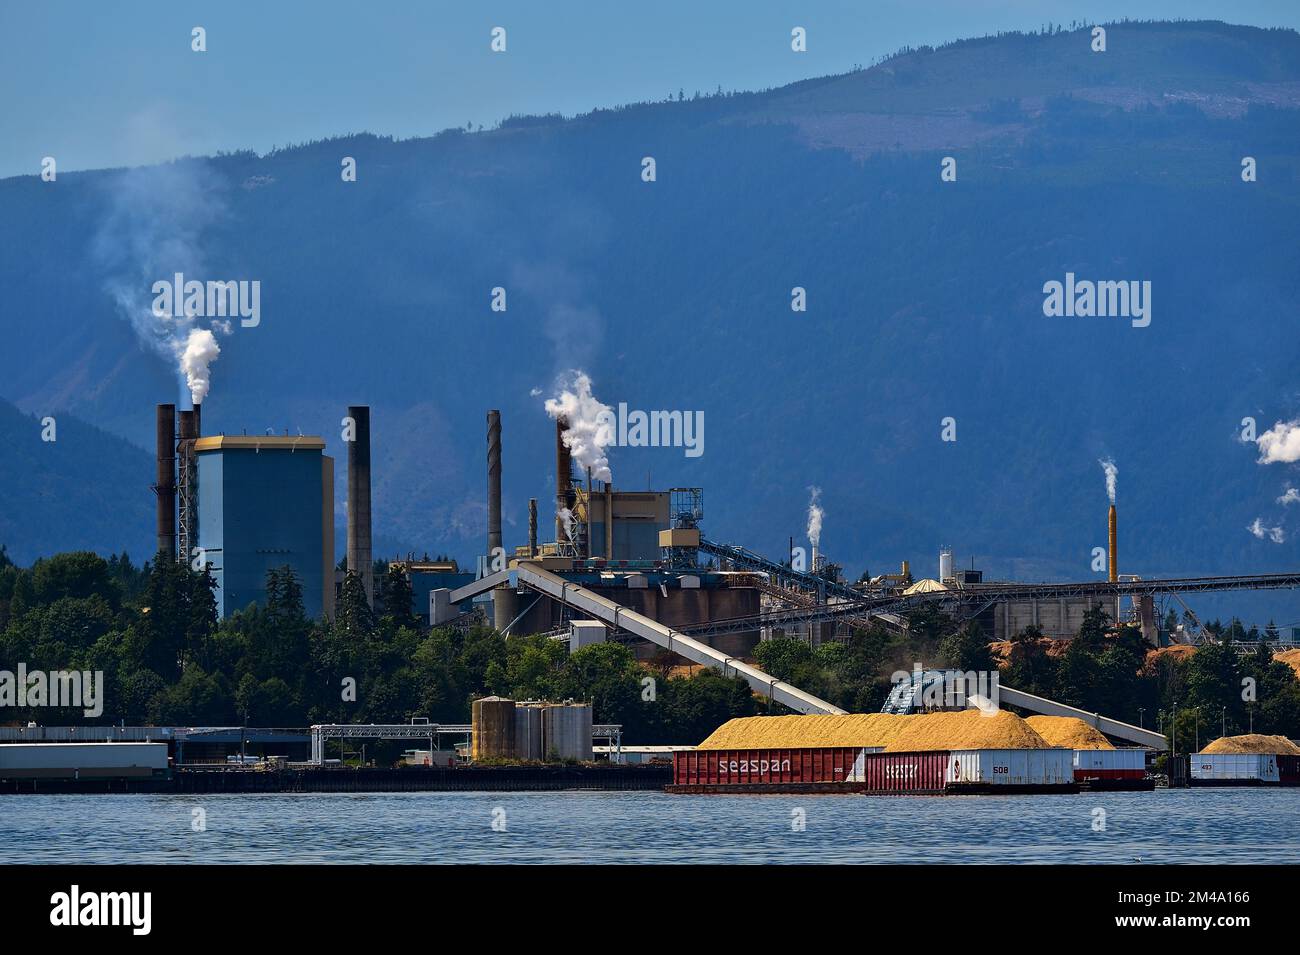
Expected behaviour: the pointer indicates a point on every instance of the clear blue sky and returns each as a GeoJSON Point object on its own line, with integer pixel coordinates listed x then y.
{"type": "Point", "coordinates": [96, 83]}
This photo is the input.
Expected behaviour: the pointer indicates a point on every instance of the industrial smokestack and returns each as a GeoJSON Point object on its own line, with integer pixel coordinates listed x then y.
{"type": "Point", "coordinates": [1114, 552]}
{"type": "Point", "coordinates": [563, 478]}
{"type": "Point", "coordinates": [588, 535]}
{"type": "Point", "coordinates": [359, 559]}
{"type": "Point", "coordinates": [609, 520]}
{"type": "Point", "coordinates": [187, 535]}
{"type": "Point", "coordinates": [165, 486]}
{"type": "Point", "coordinates": [494, 481]}
{"type": "Point", "coordinates": [532, 527]}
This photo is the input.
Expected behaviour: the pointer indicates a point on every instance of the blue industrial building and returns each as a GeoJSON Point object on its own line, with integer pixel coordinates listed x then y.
{"type": "Point", "coordinates": [263, 503]}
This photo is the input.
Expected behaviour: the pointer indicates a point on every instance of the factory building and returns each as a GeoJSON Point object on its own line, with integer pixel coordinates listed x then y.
{"type": "Point", "coordinates": [1058, 618]}
{"type": "Point", "coordinates": [427, 575]}
{"type": "Point", "coordinates": [619, 544]}
{"type": "Point", "coordinates": [266, 502]}
{"type": "Point", "coordinates": [633, 532]}
{"type": "Point", "coordinates": [249, 504]}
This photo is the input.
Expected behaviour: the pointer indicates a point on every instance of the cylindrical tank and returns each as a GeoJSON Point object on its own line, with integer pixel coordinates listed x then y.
{"type": "Point", "coordinates": [505, 607]}
{"type": "Point", "coordinates": [945, 565]}
{"type": "Point", "coordinates": [528, 732]}
{"type": "Point", "coordinates": [492, 728]}
{"type": "Point", "coordinates": [566, 731]}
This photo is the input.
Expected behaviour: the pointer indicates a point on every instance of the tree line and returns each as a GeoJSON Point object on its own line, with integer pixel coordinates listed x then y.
{"type": "Point", "coordinates": [153, 632]}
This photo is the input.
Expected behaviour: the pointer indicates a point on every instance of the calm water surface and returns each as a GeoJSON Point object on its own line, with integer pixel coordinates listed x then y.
{"type": "Point", "coordinates": [1167, 826]}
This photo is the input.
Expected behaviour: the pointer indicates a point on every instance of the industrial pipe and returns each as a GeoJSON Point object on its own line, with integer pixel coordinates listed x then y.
{"type": "Point", "coordinates": [494, 482]}
{"type": "Point", "coordinates": [165, 486]}
{"type": "Point", "coordinates": [532, 527]}
{"type": "Point", "coordinates": [609, 520]}
{"type": "Point", "coordinates": [359, 555]}
{"type": "Point", "coordinates": [187, 531]}
{"type": "Point", "coordinates": [1113, 551]}
{"type": "Point", "coordinates": [563, 477]}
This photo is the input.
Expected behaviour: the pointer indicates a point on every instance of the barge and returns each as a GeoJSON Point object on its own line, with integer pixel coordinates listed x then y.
{"type": "Point", "coordinates": [871, 771]}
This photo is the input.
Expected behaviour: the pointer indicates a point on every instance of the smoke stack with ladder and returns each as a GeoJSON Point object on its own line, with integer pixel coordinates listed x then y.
{"type": "Point", "coordinates": [187, 536]}
{"type": "Point", "coordinates": [563, 479]}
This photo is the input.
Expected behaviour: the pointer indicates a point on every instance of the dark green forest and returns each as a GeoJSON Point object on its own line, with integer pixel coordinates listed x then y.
{"type": "Point", "coordinates": [166, 660]}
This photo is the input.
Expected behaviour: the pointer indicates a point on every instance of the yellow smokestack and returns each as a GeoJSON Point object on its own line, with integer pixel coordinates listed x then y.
{"type": "Point", "coordinates": [1114, 553]}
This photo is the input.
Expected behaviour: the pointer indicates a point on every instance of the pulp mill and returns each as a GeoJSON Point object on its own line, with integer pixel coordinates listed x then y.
{"type": "Point", "coordinates": [622, 564]}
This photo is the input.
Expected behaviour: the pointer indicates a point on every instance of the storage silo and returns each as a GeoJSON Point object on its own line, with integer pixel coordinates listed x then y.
{"type": "Point", "coordinates": [566, 731]}
{"type": "Point", "coordinates": [945, 564]}
{"type": "Point", "coordinates": [492, 728]}
{"type": "Point", "coordinates": [528, 732]}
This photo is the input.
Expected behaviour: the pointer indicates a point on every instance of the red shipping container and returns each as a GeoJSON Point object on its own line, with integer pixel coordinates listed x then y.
{"type": "Point", "coordinates": [1288, 770]}
{"type": "Point", "coordinates": [729, 767]}
{"type": "Point", "coordinates": [904, 772]}
{"type": "Point", "coordinates": [854, 767]}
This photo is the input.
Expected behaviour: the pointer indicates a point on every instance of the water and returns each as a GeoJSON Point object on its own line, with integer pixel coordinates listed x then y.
{"type": "Point", "coordinates": [1169, 826]}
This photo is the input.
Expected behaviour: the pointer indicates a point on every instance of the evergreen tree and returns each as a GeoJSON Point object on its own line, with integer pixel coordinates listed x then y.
{"type": "Point", "coordinates": [968, 649]}
{"type": "Point", "coordinates": [398, 597]}
{"type": "Point", "coordinates": [355, 615]}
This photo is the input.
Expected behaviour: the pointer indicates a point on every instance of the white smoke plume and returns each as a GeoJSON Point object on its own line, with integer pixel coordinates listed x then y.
{"type": "Point", "coordinates": [1290, 496]}
{"type": "Point", "coordinates": [198, 352]}
{"type": "Point", "coordinates": [1276, 534]}
{"type": "Point", "coordinates": [815, 515]}
{"type": "Point", "coordinates": [591, 427]}
{"type": "Point", "coordinates": [1112, 473]}
{"type": "Point", "coordinates": [1280, 444]}
{"type": "Point", "coordinates": [152, 229]}
{"type": "Point", "coordinates": [566, 517]}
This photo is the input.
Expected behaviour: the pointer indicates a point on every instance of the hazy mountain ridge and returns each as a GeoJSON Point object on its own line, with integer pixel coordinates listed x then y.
{"type": "Point", "coordinates": [924, 302]}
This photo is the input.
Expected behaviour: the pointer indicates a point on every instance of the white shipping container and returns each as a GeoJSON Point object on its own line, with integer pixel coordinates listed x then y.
{"type": "Point", "coordinates": [1225, 766]}
{"type": "Point", "coordinates": [70, 759]}
{"type": "Point", "coordinates": [1011, 767]}
{"type": "Point", "coordinates": [1110, 760]}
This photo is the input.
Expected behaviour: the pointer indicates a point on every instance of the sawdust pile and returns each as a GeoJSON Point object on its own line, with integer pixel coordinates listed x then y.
{"type": "Point", "coordinates": [1068, 731]}
{"type": "Point", "coordinates": [927, 732]}
{"type": "Point", "coordinates": [1291, 658]}
{"type": "Point", "coordinates": [1254, 743]}
{"type": "Point", "coordinates": [1154, 657]}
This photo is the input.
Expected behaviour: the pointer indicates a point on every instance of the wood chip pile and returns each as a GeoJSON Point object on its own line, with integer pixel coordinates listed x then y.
{"type": "Point", "coordinates": [1068, 731]}
{"type": "Point", "coordinates": [926, 732]}
{"type": "Point", "coordinates": [1254, 743]}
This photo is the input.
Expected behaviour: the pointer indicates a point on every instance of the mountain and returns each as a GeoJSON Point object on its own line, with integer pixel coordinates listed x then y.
{"type": "Point", "coordinates": [925, 301]}
{"type": "Point", "coordinates": [83, 490]}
